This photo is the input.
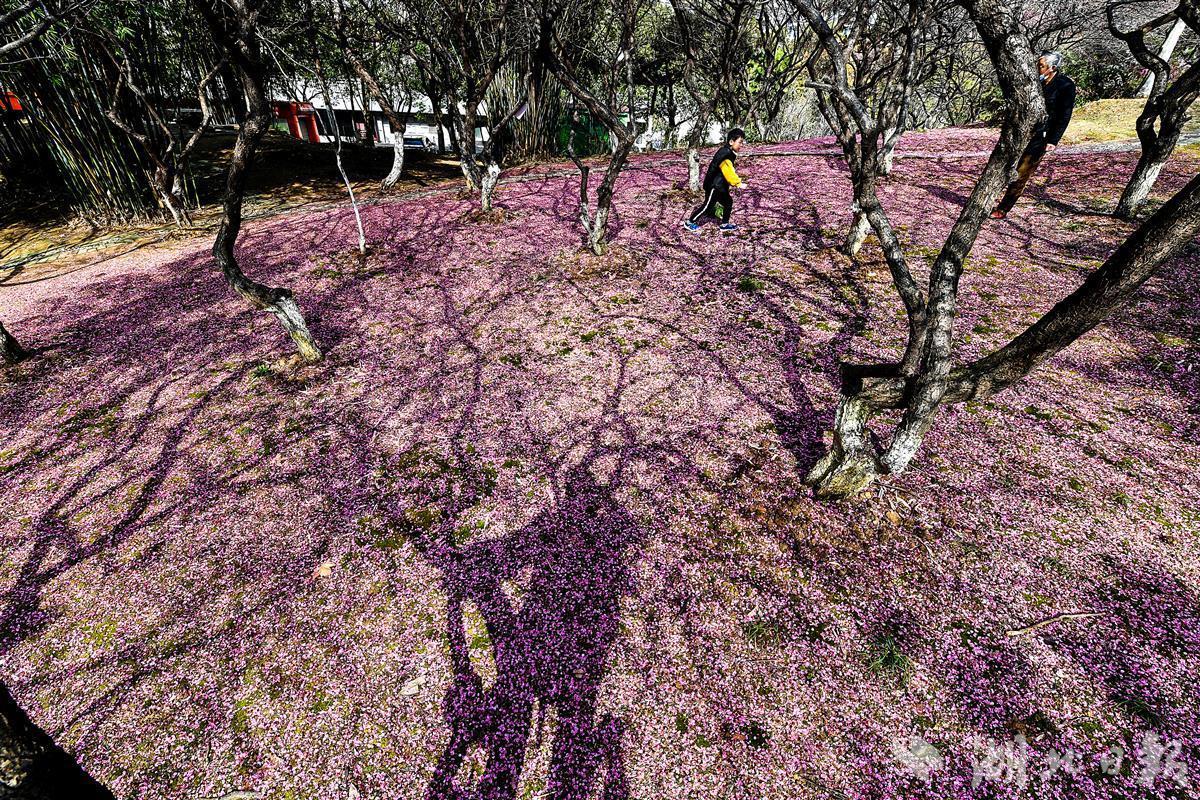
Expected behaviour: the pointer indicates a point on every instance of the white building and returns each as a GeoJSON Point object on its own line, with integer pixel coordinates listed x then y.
{"type": "Point", "coordinates": [301, 111]}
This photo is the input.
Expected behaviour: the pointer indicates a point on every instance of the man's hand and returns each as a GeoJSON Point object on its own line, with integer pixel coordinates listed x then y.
{"type": "Point", "coordinates": [1050, 148]}
{"type": "Point", "coordinates": [743, 185]}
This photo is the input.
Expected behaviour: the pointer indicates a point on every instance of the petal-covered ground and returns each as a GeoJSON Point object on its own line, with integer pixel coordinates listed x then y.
{"type": "Point", "coordinates": [535, 527]}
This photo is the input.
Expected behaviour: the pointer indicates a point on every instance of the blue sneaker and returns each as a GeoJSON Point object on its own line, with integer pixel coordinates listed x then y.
{"type": "Point", "coordinates": [691, 226]}
{"type": "Point", "coordinates": [728, 226]}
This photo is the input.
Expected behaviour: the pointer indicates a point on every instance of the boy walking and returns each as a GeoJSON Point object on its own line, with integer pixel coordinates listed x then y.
{"type": "Point", "coordinates": [717, 181]}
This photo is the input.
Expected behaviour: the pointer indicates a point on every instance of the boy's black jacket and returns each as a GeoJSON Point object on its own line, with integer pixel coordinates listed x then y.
{"type": "Point", "coordinates": [713, 178]}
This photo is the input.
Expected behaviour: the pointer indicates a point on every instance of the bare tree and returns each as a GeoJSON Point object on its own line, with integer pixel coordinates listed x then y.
{"type": "Point", "coordinates": [874, 67]}
{"type": "Point", "coordinates": [350, 44]}
{"type": "Point", "coordinates": [337, 155]}
{"type": "Point", "coordinates": [777, 61]}
{"type": "Point", "coordinates": [853, 461]}
{"type": "Point", "coordinates": [925, 377]}
{"type": "Point", "coordinates": [1166, 110]}
{"type": "Point", "coordinates": [714, 45]}
{"type": "Point", "coordinates": [234, 25]}
{"type": "Point", "coordinates": [553, 50]}
{"type": "Point", "coordinates": [470, 42]}
{"type": "Point", "coordinates": [168, 155]}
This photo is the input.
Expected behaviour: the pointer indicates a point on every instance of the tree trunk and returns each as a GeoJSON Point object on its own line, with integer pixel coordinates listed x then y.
{"type": "Point", "coordinates": [1168, 49]}
{"type": "Point", "coordinates": [621, 133]}
{"type": "Point", "coordinates": [693, 159]}
{"type": "Point", "coordinates": [851, 464]}
{"type": "Point", "coordinates": [33, 767]}
{"type": "Point", "coordinates": [1166, 106]}
{"type": "Point", "coordinates": [10, 349]}
{"type": "Point", "coordinates": [857, 235]}
{"type": "Point", "coordinates": [465, 133]}
{"type": "Point", "coordinates": [492, 155]}
{"type": "Point", "coordinates": [242, 45]}
{"type": "Point", "coordinates": [595, 225]}
{"type": "Point", "coordinates": [854, 462]}
{"type": "Point", "coordinates": [1140, 184]}
{"type": "Point", "coordinates": [435, 110]}
{"type": "Point", "coordinates": [488, 185]}
{"type": "Point", "coordinates": [697, 136]}
{"type": "Point", "coordinates": [598, 238]}
{"type": "Point", "coordinates": [153, 136]}
{"type": "Point", "coordinates": [337, 157]}
{"type": "Point", "coordinates": [672, 133]}
{"type": "Point", "coordinates": [597, 235]}
{"type": "Point", "coordinates": [1012, 60]}
{"type": "Point", "coordinates": [398, 122]}
{"type": "Point", "coordinates": [891, 138]}
{"type": "Point", "coordinates": [168, 184]}
{"type": "Point", "coordinates": [1157, 145]}
{"type": "Point", "coordinates": [397, 161]}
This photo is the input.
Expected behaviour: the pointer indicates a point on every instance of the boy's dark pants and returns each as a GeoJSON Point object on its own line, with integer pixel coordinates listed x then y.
{"type": "Point", "coordinates": [1025, 168]}
{"type": "Point", "coordinates": [714, 195]}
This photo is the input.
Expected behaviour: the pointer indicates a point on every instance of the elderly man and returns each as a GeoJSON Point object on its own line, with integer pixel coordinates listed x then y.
{"type": "Point", "coordinates": [1059, 92]}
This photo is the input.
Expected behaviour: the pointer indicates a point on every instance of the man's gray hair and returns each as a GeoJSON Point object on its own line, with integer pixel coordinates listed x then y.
{"type": "Point", "coordinates": [1052, 58]}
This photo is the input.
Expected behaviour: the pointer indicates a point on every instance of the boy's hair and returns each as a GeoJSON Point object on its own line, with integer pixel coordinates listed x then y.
{"type": "Point", "coordinates": [734, 134]}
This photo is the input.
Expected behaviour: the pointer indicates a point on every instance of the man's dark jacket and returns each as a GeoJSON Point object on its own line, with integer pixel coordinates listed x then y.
{"type": "Point", "coordinates": [713, 177]}
{"type": "Point", "coordinates": [1060, 102]}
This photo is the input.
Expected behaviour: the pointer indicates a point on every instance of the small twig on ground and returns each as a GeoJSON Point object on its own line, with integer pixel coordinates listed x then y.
{"type": "Point", "coordinates": [1052, 619]}
{"type": "Point", "coordinates": [933, 562]}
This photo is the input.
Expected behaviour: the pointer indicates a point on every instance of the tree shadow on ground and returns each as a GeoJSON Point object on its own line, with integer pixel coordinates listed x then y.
{"type": "Point", "coordinates": [1143, 647]}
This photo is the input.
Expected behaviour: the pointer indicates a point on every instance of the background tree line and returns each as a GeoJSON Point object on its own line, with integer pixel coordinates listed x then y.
{"type": "Point", "coordinates": [118, 92]}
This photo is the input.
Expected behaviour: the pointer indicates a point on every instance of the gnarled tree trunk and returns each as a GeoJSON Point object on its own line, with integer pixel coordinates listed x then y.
{"type": "Point", "coordinates": [10, 349]}
{"type": "Point", "coordinates": [234, 25]}
{"type": "Point", "coordinates": [854, 461]}
{"type": "Point", "coordinates": [1162, 118]}
{"type": "Point", "coordinates": [857, 235]}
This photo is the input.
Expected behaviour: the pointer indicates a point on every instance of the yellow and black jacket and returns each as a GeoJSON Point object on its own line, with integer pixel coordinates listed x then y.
{"type": "Point", "coordinates": [721, 174]}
